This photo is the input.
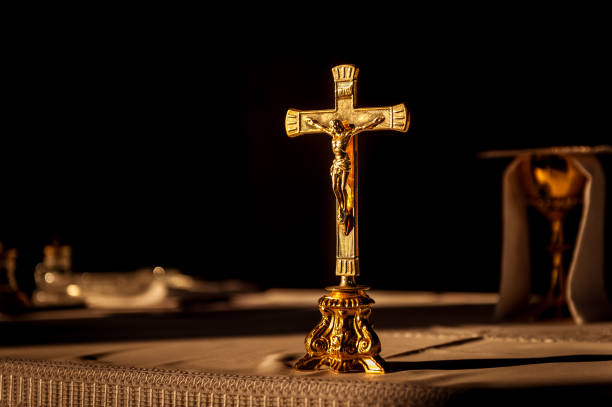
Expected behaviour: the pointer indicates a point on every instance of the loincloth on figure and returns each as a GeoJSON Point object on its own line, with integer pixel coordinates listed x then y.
{"type": "Point", "coordinates": [340, 165]}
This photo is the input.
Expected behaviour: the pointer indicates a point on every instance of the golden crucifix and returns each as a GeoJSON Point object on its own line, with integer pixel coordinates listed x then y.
{"type": "Point", "coordinates": [344, 339]}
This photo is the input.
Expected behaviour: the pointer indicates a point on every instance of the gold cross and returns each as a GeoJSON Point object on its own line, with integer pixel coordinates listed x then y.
{"type": "Point", "coordinates": [343, 123]}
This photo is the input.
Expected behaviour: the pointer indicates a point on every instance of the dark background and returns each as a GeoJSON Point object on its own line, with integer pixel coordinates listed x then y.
{"type": "Point", "coordinates": [141, 154]}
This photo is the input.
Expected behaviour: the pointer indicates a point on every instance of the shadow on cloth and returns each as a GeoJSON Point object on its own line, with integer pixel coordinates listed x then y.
{"type": "Point", "coordinates": [463, 364]}
{"type": "Point", "coordinates": [217, 323]}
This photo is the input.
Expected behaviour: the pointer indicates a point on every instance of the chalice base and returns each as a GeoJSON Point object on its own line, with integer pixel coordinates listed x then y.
{"type": "Point", "coordinates": [344, 340]}
{"type": "Point", "coordinates": [547, 308]}
{"type": "Point", "coordinates": [550, 309]}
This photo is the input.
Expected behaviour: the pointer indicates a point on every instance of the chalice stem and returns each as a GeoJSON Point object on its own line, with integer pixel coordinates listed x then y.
{"type": "Point", "coordinates": [556, 292]}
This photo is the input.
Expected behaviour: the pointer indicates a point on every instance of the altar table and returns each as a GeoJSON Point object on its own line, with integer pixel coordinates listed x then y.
{"type": "Point", "coordinates": [441, 349]}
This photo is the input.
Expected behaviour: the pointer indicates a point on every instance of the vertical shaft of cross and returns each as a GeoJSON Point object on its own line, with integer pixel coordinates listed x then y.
{"type": "Point", "coordinates": [347, 245]}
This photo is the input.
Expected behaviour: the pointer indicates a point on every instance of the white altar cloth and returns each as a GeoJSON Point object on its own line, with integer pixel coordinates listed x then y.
{"type": "Point", "coordinates": [441, 349]}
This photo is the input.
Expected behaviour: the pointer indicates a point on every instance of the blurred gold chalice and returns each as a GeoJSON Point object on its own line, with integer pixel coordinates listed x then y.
{"type": "Point", "coordinates": [554, 186]}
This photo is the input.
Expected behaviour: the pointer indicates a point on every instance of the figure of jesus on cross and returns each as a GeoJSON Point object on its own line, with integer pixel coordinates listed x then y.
{"type": "Point", "coordinates": [342, 133]}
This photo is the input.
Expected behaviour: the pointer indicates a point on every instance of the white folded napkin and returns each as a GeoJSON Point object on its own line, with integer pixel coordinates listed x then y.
{"type": "Point", "coordinates": [586, 293]}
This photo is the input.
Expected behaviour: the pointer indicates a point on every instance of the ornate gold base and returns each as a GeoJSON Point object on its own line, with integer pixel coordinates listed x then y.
{"type": "Point", "coordinates": [344, 340]}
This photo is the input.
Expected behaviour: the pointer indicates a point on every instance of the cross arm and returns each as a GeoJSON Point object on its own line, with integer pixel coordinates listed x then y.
{"type": "Point", "coordinates": [296, 125]}
{"type": "Point", "coordinates": [396, 117]}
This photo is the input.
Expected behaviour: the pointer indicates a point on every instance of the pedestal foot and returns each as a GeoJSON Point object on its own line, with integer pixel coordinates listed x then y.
{"type": "Point", "coordinates": [374, 364]}
{"type": "Point", "coordinates": [344, 340]}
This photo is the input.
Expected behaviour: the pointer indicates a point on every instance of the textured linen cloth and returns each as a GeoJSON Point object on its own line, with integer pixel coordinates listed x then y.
{"type": "Point", "coordinates": [441, 349]}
